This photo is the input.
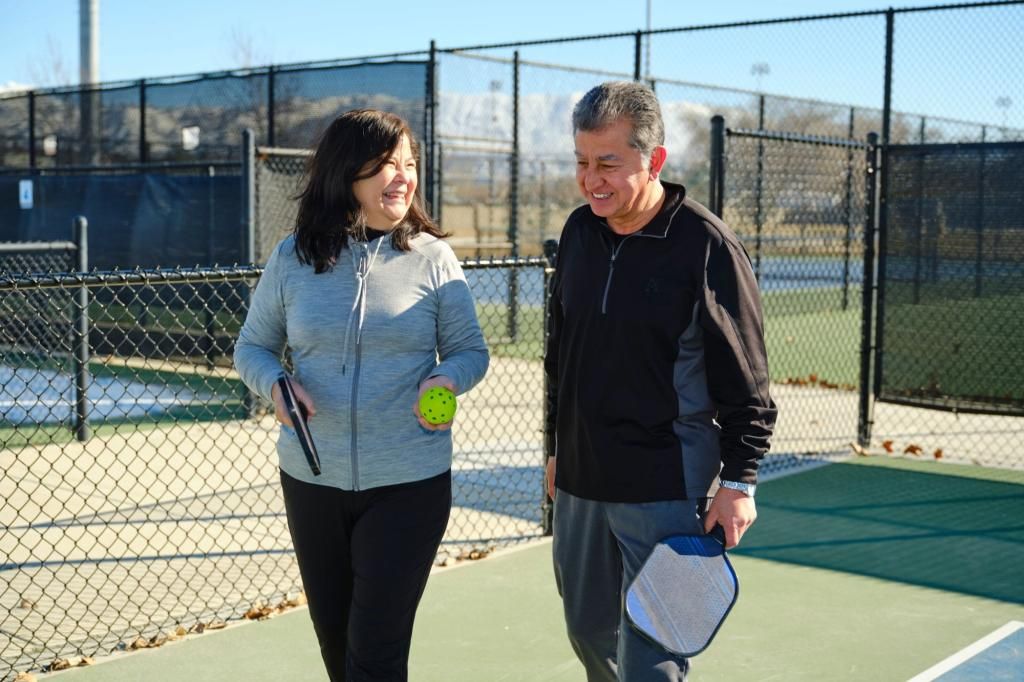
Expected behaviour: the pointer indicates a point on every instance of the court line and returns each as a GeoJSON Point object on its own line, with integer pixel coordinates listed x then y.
{"type": "Point", "coordinates": [968, 652]}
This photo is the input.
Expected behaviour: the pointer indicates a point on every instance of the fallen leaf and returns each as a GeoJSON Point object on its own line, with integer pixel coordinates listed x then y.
{"type": "Point", "coordinates": [25, 677]}
{"type": "Point", "coordinates": [60, 664]}
{"type": "Point", "coordinates": [937, 454]}
{"type": "Point", "coordinates": [858, 450]}
{"type": "Point", "coordinates": [887, 444]}
{"type": "Point", "coordinates": [259, 611]}
{"type": "Point", "coordinates": [912, 450]}
{"type": "Point", "coordinates": [86, 660]}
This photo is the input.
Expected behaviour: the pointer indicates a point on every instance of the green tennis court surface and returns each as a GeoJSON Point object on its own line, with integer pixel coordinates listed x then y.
{"type": "Point", "coordinates": [870, 570]}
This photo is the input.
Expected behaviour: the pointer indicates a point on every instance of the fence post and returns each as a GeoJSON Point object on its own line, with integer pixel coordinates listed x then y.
{"type": "Point", "coordinates": [513, 200]}
{"type": "Point", "coordinates": [637, 52]}
{"type": "Point", "coordinates": [864, 421]}
{"type": "Point", "coordinates": [80, 227]}
{"type": "Point", "coordinates": [143, 145]}
{"type": "Point", "coordinates": [31, 128]}
{"type": "Point", "coordinates": [890, 18]}
{"type": "Point", "coordinates": [431, 133]}
{"type": "Point", "coordinates": [547, 504]}
{"type": "Point", "coordinates": [271, 138]}
{"type": "Point", "coordinates": [848, 206]}
{"type": "Point", "coordinates": [249, 399]}
{"type": "Point", "coordinates": [979, 222]}
{"type": "Point", "coordinates": [716, 181]}
{"type": "Point", "coordinates": [248, 245]}
{"type": "Point", "coordinates": [759, 205]}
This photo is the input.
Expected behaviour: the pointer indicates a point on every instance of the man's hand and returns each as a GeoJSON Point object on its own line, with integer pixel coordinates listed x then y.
{"type": "Point", "coordinates": [281, 411]}
{"type": "Point", "coordinates": [734, 511]}
{"type": "Point", "coordinates": [549, 477]}
{"type": "Point", "coordinates": [439, 380]}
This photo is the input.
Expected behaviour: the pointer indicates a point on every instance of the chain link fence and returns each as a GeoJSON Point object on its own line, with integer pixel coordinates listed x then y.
{"type": "Point", "coordinates": [277, 181]}
{"type": "Point", "coordinates": [850, 372]}
{"type": "Point", "coordinates": [798, 204]}
{"type": "Point", "coordinates": [201, 118]}
{"type": "Point", "coordinates": [164, 515]}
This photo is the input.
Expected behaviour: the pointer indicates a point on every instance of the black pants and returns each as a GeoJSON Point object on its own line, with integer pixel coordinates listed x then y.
{"type": "Point", "coordinates": [364, 557]}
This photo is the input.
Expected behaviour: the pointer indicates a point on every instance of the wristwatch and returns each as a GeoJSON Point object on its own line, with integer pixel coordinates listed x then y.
{"type": "Point", "coordinates": [745, 488]}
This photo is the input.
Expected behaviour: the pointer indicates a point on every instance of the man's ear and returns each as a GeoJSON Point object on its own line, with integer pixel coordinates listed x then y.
{"type": "Point", "coordinates": [658, 157]}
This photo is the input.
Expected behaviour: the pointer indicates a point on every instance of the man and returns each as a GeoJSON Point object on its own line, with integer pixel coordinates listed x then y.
{"type": "Point", "coordinates": [659, 378]}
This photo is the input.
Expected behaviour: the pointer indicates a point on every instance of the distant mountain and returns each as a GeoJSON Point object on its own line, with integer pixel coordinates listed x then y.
{"type": "Point", "coordinates": [545, 123]}
{"type": "Point", "coordinates": [12, 87]}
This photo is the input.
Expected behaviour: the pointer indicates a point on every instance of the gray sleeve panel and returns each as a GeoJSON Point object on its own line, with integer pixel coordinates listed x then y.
{"type": "Point", "coordinates": [695, 427]}
{"type": "Point", "coordinates": [262, 338]}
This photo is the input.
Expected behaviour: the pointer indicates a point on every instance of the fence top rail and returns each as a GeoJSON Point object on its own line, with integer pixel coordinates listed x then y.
{"type": "Point", "coordinates": [177, 79]}
{"type": "Point", "coordinates": [779, 136]}
{"type": "Point", "coordinates": [205, 275]}
{"type": "Point", "coordinates": [735, 24]}
{"type": "Point", "coordinates": [139, 276]}
{"type": "Point", "coordinates": [504, 262]}
{"type": "Point", "coordinates": [35, 247]}
{"type": "Point", "coordinates": [149, 165]}
{"type": "Point", "coordinates": [957, 146]}
{"type": "Point", "coordinates": [282, 151]}
{"type": "Point", "coordinates": [370, 59]}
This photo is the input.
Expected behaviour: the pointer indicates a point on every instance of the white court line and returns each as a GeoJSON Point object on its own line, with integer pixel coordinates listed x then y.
{"type": "Point", "coordinates": [967, 653]}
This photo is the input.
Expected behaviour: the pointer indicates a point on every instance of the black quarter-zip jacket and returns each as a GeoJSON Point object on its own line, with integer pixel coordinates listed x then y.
{"type": "Point", "coordinates": [658, 375]}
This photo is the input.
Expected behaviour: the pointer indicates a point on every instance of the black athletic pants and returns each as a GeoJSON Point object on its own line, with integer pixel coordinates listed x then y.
{"type": "Point", "coordinates": [364, 557]}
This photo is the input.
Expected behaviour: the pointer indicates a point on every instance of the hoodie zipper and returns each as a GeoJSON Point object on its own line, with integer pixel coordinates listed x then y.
{"type": "Point", "coordinates": [358, 309]}
{"type": "Point", "coordinates": [354, 422]}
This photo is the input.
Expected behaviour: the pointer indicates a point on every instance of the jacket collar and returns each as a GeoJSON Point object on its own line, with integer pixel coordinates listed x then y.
{"type": "Point", "coordinates": [659, 225]}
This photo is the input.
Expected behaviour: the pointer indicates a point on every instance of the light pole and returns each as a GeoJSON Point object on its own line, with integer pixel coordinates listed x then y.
{"type": "Point", "coordinates": [647, 50]}
{"type": "Point", "coordinates": [1004, 103]}
{"type": "Point", "coordinates": [759, 70]}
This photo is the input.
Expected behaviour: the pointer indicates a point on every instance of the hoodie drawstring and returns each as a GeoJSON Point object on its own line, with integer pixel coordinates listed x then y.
{"type": "Point", "coordinates": [359, 303]}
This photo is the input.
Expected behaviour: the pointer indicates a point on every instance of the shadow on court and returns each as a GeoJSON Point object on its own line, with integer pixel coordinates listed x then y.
{"type": "Point", "coordinates": [936, 525]}
{"type": "Point", "coordinates": [841, 562]}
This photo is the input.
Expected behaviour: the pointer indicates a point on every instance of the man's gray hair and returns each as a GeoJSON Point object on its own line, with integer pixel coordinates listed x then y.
{"type": "Point", "coordinates": [604, 104]}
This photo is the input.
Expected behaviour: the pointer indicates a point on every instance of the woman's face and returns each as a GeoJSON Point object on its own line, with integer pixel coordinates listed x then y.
{"type": "Point", "coordinates": [385, 197]}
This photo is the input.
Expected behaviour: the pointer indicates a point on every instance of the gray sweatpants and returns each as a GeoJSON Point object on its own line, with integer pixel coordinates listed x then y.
{"type": "Point", "coordinates": [598, 549]}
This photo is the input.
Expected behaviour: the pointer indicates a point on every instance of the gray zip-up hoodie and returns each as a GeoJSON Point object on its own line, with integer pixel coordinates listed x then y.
{"type": "Point", "coordinates": [363, 336]}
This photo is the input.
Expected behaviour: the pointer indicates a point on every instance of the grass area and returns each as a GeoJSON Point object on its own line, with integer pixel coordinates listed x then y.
{"type": "Point", "coordinates": [163, 319]}
{"type": "Point", "coordinates": [954, 345]}
{"type": "Point", "coordinates": [528, 341]}
{"type": "Point", "coordinates": [806, 333]}
{"type": "Point", "coordinates": [825, 344]}
{"type": "Point", "coordinates": [225, 401]}
{"type": "Point", "coordinates": [13, 437]}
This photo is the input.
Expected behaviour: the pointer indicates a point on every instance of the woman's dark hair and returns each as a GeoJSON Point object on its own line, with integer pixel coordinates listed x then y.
{"type": "Point", "coordinates": [356, 145]}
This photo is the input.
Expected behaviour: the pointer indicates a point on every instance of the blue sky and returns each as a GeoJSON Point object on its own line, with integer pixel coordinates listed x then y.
{"type": "Point", "coordinates": [835, 61]}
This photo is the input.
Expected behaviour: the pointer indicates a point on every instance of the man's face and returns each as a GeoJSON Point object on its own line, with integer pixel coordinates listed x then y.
{"type": "Point", "coordinates": [614, 177]}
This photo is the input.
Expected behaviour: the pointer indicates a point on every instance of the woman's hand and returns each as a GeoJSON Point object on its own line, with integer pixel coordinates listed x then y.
{"type": "Point", "coordinates": [281, 411]}
{"type": "Point", "coordinates": [440, 380]}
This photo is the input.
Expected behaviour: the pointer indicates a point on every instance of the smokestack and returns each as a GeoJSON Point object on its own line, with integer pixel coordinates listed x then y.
{"type": "Point", "coordinates": [89, 75]}
{"type": "Point", "coordinates": [89, 41]}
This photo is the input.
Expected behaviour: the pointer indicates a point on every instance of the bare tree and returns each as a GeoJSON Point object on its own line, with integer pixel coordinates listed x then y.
{"type": "Point", "coordinates": [50, 69]}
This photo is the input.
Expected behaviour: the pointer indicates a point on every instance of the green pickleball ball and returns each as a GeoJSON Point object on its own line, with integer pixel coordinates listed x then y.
{"type": "Point", "coordinates": [437, 405]}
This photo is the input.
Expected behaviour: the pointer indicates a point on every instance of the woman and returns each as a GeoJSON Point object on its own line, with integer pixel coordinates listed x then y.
{"type": "Point", "coordinates": [367, 298]}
